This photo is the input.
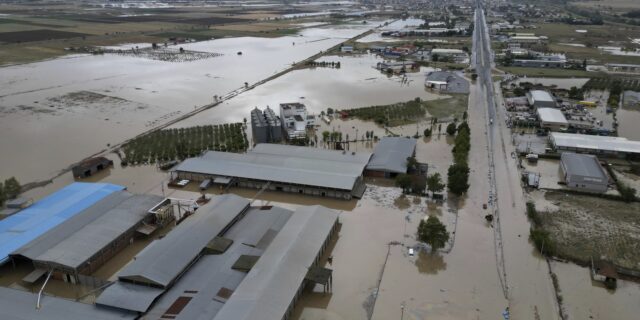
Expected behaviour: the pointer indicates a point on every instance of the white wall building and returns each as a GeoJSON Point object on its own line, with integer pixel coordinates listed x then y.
{"type": "Point", "coordinates": [295, 119]}
{"type": "Point", "coordinates": [583, 172]}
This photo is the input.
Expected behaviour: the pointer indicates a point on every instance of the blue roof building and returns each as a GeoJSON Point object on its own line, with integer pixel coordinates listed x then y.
{"type": "Point", "coordinates": [30, 223]}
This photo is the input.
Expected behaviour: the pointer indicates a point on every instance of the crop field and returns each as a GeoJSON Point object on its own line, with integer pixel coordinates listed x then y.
{"type": "Point", "coordinates": [584, 227]}
{"type": "Point", "coordinates": [178, 144]}
{"type": "Point", "coordinates": [550, 72]}
{"type": "Point", "coordinates": [596, 34]}
{"type": "Point", "coordinates": [616, 4]}
{"type": "Point", "coordinates": [37, 35]}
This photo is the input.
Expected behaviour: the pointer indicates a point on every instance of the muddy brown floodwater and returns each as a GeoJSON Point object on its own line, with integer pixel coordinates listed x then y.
{"type": "Point", "coordinates": [48, 115]}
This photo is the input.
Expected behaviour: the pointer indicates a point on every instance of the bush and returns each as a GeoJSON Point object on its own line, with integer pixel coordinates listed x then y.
{"type": "Point", "coordinates": [451, 129]}
{"type": "Point", "coordinates": [458, 178]}
{"type": "Point", "coordinates": [533, 215]}
{"type": "Point", "coordinates": [542, 240]}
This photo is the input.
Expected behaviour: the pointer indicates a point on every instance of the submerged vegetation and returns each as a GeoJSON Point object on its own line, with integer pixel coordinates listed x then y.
{"type": "Point", "coordinates": [181, 143]}
{"type": "Point", "coordinates": [410, 111]}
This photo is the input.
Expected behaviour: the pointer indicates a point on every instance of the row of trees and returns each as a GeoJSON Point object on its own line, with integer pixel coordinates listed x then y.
{"type": "Point", "coordinates": [387, 114]}
{"type": "Point", "coordinates": [10, 189]}
{"type": "Point", "coordinates": [458, 173]}
{"type": "Point", "coordinates": [181, 143]}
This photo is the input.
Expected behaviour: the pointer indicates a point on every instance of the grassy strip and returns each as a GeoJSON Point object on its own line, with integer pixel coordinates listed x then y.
{"type": "Point", "coordinates": [551, 73]}
{"type": "Point", "coordinates": [173, 144]}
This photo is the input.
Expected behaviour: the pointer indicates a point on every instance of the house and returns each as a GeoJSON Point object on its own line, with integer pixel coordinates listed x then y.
{"type": "Point", "coordinates": [583, 172]}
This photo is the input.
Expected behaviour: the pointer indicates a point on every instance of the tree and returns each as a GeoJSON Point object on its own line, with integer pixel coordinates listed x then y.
{"type": "Point", "coordinates": [458, 178]}
{"type": "Point", "coordinates": [465, 115]}
{"type": "Point", "coordinates": [412, 163]}
{"type": "Point", "coordinates": [325, 135]}
{"type": "Point", "coordinates": [11, 188]}
{"type": "Point", "coordinates": [434, 183]}
{"type": "Point", "coordinates": [403, 181]}
{"type": "Point", "coordinates": [451, 129]}
{"type": "Point", "coordinates": [433, 232]}
{"type": "Point", "coordinates": [3, 196]}
{"type": "Point", "coordinates": [427, 132]}
{"type": "Point", "coordinates": [519, 92]}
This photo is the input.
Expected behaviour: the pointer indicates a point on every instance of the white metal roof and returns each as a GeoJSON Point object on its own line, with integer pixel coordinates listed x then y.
{"type": "Point", "coordinates": [391, 154]}
{"type": "Point", "coordinates": [272, 284]}
{"type": "Point", "coordinates": [442, 50]}
{"type": "Point", "coordinates": [552, 115]}
{"type": "Point", "coordinates": [594, 143]}
{"type": "Point", "coordinates": [285, 164]}
{"type": "Point", "coordinates": [541, 95]}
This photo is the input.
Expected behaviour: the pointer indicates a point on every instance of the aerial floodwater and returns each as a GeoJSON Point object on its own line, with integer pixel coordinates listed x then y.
{"type": "Point", "coordinates": [69, 108]}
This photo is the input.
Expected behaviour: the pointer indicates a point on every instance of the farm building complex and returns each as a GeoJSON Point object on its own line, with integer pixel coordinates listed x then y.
{"type": "Point", "coordinates": [599, 145]}
{"type": "Point", "coordinates": [219, 263]}
{"type": "Point", "coordinates": [304, 170]}
{"type": "Point", "coordinates": [583, 172]}
{"type": "Point", "coordinates": [390, 157]}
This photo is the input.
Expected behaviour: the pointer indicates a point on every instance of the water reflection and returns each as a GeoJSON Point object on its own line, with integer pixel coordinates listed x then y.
{"type": "Point", "coordinates": [430, 263]}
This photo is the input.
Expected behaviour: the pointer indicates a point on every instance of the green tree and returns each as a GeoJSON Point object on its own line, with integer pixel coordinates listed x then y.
{"type": "Point", "coordinates": [434, 183]}
{"type": "Point", "coordinates": [433, 232]}
{"type": "Point", "coordinates": [326, 135]}
{"type": "Point", "coordinates": [427, 132]}
{"type": "Point", "coordinates": [465, 115]}
{"type": "Point", "coordinates": [403, 181]}
{"type": "Point", "coordinates": [412, 163]}
{"type": "Point", "coordinates": [451, 129]}
{"type": "Point", "coordinates": [11, 188]}
{"type": "Point", "coordinates": [458, 178]}
{"type": "Point", "coordinates": [3, 196]}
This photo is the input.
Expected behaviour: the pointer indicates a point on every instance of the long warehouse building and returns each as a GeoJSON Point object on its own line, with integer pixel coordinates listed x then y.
{"type": "Point", "coordinates": [599, 145]}
{"type": "Point", "coordinates": [312, 171]}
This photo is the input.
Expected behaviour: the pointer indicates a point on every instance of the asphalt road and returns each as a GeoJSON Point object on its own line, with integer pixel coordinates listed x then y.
{"type": "Point", "coordinates": [523, 273]}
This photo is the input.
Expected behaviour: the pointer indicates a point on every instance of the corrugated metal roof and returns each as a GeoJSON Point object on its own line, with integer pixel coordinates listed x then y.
{"type": "Point", "coordinates": [285, 164]}
{"type": "Point", "coordinates": [75, 241]}
{"type": "Point", "coordinates": [594, 143]}
{"type": "Point", "coordinates": [270, 287]}
{"type": "Point", "coordinates": [129, 296]}
{"type": "Point", "coordinates": [163, 260]}
{"type": "Point", "coordinates": [541, 95]}
{"type": "Point", "coordinates": [552, 115]}
{"type": "Point", "coordinates": [30, 223]}
{"type": "Point", "coordinates": [211, 273]}
{"type": "Point", "coordinates": [583, 165]}
{"type": "Point", "coordinates": [391, 154]}
{"type": "Point", "coordinates": [21, 305]}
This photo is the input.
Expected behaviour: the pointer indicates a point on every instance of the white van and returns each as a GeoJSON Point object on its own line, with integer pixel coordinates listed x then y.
{"type": "Point", "coordinates": [411, 252]}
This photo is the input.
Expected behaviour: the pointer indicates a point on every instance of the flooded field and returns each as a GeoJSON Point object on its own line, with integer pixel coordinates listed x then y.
{"type": "Point", "coordinates": [355, 84]}
{"type": "Point", "coordinates": [127, 95]}
{"type": "Point", "coordinates": [557, 82]}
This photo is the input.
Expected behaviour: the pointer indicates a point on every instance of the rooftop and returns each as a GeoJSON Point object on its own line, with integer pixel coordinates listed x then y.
{"type": "Point", "coordinates": [30, 223]}
{"type": "Point", "coordinates": [75, 241]}
{"type": "Point", "coordinates": [269, 288]}
{"type": "Point", "coordinates": [595, 143]}
{"type": "Point", "coordinates": [583, 165]}
{"type": "Point", "coordinates": [391, 154]}
{"type": "Point", "coordinates": [551, 115]}
{"type": "Point", "coordinates": [21, 305]}
{"type": "Point", "coordinates": [284, 164]}
{"type": "Point", "coordinates": [541, 95]}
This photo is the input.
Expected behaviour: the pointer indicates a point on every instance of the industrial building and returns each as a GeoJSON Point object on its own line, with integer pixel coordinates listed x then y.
{"type": "Point", "coordinates": [459, 56]}
{"type": "Point", "coordinates": [266, 127]}
{"type": "Point", "coordinates": [583, 172]}
{"type": "Point", "coordinates": [599, 145]}
{"type": "Point", "coordinates": [542, 61]}
{"type": "Point", "coordinates": [552, 119]}
{"type": "Point", "coordinates": [228, 261]}
{"type": "Point", "coordinates": [84, 242]}
{"type": "Point", "coordinates": [295, 119]}
{"type": "Point", "coordinates": [446, 81]}
{"type": "Point", "coordinates": [304, 170]}
{"type": "Point", "coordinates": [21, 305]}
{"type": "Point", "coordinates": [90, 167]}
{"type": "Point", "coordinates": [390, 157]}
{"type": "Point", "coordinates": [48, 213]}
{"type": "Point", "coordinates": [541, 99]}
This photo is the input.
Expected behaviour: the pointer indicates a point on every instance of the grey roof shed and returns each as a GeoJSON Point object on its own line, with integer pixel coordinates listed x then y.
{"type": "Point", "coordinates": [391, 154]}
